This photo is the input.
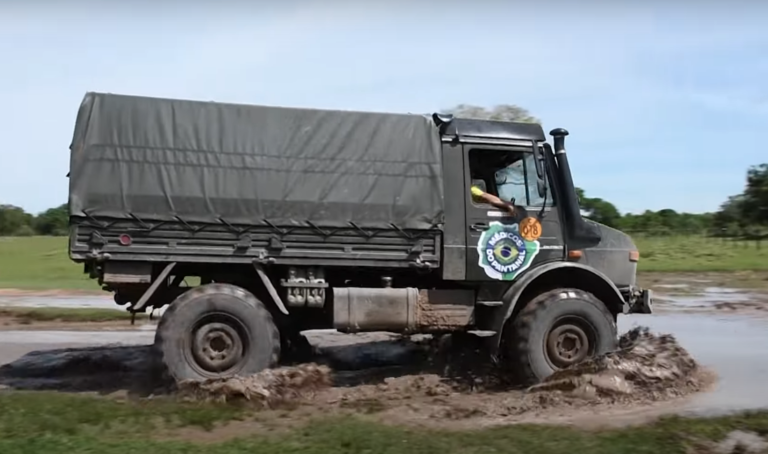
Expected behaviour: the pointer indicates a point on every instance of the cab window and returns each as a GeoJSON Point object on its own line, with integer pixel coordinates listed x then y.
{"type": "Point", "coordinates": [509, 175]}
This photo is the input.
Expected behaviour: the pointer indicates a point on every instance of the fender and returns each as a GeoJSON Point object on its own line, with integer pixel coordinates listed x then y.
{"type": "Point", "coordinates": [606, 291]}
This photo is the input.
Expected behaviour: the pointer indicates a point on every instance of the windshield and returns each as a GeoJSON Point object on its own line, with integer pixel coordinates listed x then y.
{"type": "Point", "coordinates": [511, 182]}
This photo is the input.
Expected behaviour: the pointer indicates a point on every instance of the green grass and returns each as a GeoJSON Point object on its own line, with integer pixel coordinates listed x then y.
{"type": "Point", "coordinates": [47, 414]}
{"type": "Point", "coordinates": [698, 253]}
{"type": "Point", "coordinates": [69, 424]}
{"type": "Point", "coordinates": [42, 263]}
{"type": "Point", "coordinates": [71, 315]}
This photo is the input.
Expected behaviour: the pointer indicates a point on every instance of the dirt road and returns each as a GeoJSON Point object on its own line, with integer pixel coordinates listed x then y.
{"type": "Point", "coordinates": [723, 328]}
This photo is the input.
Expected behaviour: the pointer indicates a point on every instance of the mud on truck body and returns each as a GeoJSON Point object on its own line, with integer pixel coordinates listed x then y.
{"type": "Point", "coordinates": [294, 219]}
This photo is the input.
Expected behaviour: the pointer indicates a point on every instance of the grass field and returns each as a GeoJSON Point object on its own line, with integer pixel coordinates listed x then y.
{"type": "Point", "coordinates": [698, 253]}
{"type": "Point", "coordinates": [67, 424]}
{"type": "Point", "coordinates": [42, 263]}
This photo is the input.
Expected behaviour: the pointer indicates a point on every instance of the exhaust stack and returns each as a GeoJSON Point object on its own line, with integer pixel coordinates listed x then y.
{"type": "Point", "coordinates": [578, 229]}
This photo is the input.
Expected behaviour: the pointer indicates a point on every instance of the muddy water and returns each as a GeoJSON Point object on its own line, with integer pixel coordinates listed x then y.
{"type": "Point", "coordinates": [730, 345]}
{"type": "Point", "coordinates": [711, 298]}
{"type": "Point", "coordinates": [734, 292]}
{"type": "Point", "coordinates": [89, 302]}
{"type": "Point", "coordinates": [84, 338]}
{"type": "Point", "coordinates": [75, 302]}
{"type": "Point", "coordinates": [724, 328]}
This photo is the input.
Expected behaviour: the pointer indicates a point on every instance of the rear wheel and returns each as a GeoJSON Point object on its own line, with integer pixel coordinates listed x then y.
{"type": "Point", "coordinates": [556, 330]}
{"type": "Point", "coordinates": [217, 330]}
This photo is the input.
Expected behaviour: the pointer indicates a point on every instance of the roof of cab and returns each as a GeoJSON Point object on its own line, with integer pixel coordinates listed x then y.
{"type": "Point", "coordinates": [487, 129]}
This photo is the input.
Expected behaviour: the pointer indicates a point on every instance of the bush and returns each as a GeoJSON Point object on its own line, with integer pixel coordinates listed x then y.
{"type": "Point", "coordinates": [24, 230]}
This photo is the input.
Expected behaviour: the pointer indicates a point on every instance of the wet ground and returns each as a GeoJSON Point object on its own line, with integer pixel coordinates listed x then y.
{"type": "Point", "coordinates": [742, 292]}
{"type": "Point", "coordinates": [732, 346]}
{"type": "Point", "coordinates": [720, 319]}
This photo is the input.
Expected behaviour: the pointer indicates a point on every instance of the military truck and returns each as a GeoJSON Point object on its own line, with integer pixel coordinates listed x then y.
{"type": "Point", "coordinates": [253, 224]}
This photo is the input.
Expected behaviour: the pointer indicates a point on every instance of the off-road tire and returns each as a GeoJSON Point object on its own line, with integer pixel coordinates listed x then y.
{"type": "Point", "coordinates": [224, 304]}
{"type": "Point", "coordinates": [525, 346]}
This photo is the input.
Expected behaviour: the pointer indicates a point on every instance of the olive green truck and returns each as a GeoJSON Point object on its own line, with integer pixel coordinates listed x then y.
{"type": "Point", "coordinates": [253, 224]}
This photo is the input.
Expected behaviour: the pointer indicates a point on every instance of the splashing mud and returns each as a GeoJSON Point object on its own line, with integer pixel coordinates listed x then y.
{"type": "Point", "coordinates": [444, 383]}
{"type": "Point", "coordinates": [646, 368]}
{"type": "Point", "coordinates": [269, 387]}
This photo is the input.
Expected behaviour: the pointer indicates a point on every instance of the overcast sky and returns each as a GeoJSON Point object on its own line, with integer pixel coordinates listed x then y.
{"type": "Point", "coordinates": [667, 104]}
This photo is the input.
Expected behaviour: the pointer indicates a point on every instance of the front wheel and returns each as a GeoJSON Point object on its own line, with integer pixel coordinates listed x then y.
{"type": "Point", "coordinates": [556, 330]}
{"type": "Point", "coordinates": [217, 330]}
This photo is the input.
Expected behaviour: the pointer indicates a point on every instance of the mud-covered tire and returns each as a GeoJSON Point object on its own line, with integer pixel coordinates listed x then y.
{"type": "Point", "coordinates": [216, 330]}
{"type": "Point", "coordinates": [537, 341]}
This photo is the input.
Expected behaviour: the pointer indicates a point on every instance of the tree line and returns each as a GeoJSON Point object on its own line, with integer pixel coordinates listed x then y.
{"type": "Point", "coordinates": [742, 215]}
{"type": "Point", "coordinates": [14, 221]}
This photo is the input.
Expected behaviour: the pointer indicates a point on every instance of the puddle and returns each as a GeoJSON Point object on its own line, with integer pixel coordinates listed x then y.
{"type": "Point", "coordinates": [727, 342]}
{"type": "Point", "coordinates": [706, 299]}
{"type": "Point", "coordinates": [731, 346]}
{"type": "Point", "coordinates": [54, 338]}
{"type": "Point", "coordinates": [715, 298]}
{"type": "Point", "coordinates": [70, 302]}
{"type": "Point", "coordinates": [85, 302]}
{"type": "Point", "coordinates": [721, 290]}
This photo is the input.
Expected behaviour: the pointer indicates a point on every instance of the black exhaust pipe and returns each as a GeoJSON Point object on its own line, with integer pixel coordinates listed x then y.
{"type": "Point", "coordinates": [580, 232]}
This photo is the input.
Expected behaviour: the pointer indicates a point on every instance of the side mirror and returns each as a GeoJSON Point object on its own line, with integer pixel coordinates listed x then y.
{"type": "Point", "coordinates": [538, 163]}
{"type": "Point", "coordinates": [538, 159]}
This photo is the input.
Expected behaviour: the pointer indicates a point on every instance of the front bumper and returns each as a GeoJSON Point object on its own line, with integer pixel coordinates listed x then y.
{"type": "Point", "coordinates": [638, 301]}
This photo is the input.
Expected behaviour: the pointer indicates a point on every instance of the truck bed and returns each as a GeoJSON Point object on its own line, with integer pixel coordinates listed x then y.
{"type": "Point", "coordinates": [177, 161]}
{"type": "Point", "coordinates": [186, 242]}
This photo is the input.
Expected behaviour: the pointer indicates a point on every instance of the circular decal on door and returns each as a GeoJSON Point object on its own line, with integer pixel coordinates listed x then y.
{"type": "Point", "coordinates": [530, 229]}
{"type": "Point", "coordinates": [504, 252]}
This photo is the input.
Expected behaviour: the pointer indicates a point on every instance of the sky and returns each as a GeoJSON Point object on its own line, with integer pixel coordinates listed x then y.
{"type": "Point", "coordinates": [666, 102]}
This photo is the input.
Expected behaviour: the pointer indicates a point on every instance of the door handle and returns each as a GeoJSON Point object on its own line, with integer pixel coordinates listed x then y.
{"type": "Point", "coordinates": [478, 226]}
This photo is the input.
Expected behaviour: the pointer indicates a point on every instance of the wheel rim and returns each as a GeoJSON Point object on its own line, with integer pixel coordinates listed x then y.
{"type": "Point", "coordinates": [570, 341]}
{"type": "Point", "coordinates": [217, 344]}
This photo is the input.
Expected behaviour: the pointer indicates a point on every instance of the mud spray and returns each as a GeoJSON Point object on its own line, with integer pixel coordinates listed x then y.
{"type": "Point", "coordinates": [646, 368]}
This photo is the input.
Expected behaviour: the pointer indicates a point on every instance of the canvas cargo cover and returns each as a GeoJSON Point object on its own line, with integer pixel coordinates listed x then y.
{"type": "Point", "coordinates": [165, 159]}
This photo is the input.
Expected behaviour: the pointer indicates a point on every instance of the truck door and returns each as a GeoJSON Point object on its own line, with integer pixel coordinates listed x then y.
{"type": "Point", "coordinates": [501, 246]}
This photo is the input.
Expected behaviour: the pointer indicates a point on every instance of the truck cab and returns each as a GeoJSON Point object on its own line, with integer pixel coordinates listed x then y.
{"type": "Point", "coordinates": [514, 162]}
{"type": "Point", "coordinates": [544, 247]}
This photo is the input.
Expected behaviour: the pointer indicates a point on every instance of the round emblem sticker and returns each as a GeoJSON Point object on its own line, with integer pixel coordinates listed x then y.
{"type": "Point", "coordinates": [503, 252]}
{"type": "Point", "coordinates": [530, 229]}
